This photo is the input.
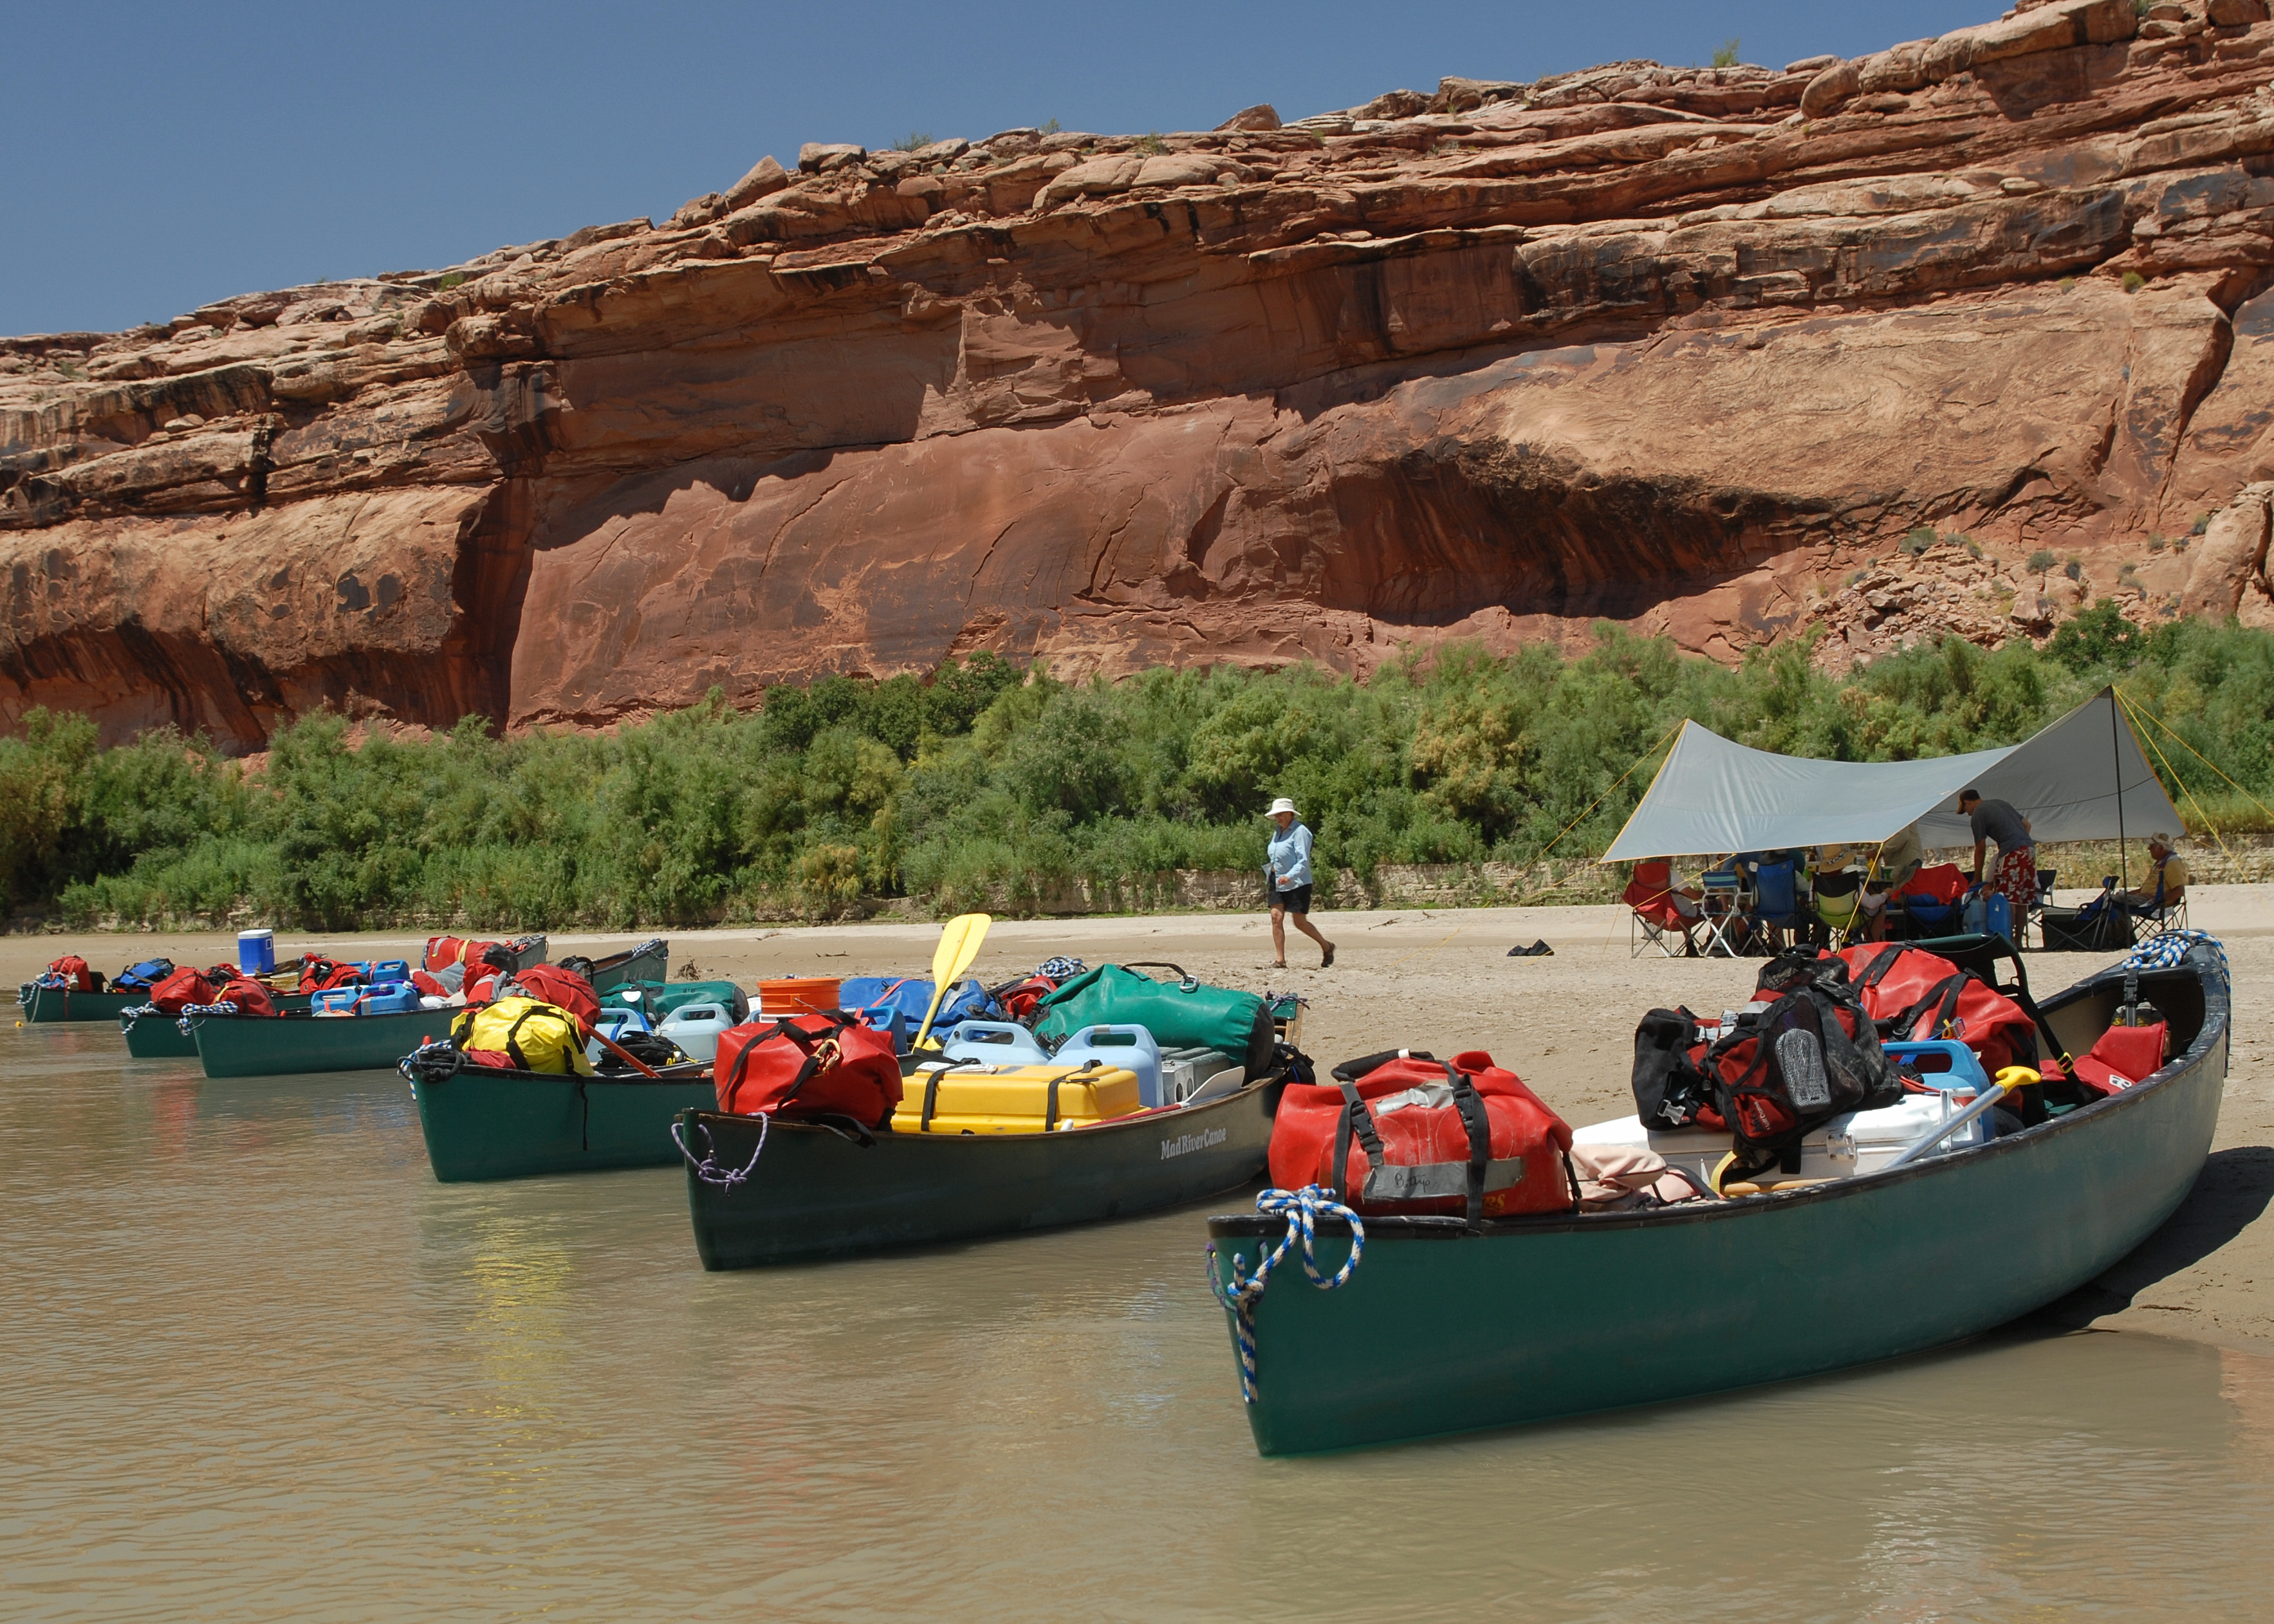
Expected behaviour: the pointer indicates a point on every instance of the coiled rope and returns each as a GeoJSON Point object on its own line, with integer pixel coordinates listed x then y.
{"type": "Point", "coordinates": [708, 1168]}
{"type": "Point", "coordinates": [2166, 949]}
{"type": "Point", "coordinates": [1302, 1208]}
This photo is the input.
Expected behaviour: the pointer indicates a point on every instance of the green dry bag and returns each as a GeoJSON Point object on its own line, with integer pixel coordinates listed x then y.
{"type": "Point", "coordinates": [1179, 1014]}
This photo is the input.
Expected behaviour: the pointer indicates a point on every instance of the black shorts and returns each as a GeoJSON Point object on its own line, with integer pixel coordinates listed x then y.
{"type": "Point", "coordinates": [1297, 899]}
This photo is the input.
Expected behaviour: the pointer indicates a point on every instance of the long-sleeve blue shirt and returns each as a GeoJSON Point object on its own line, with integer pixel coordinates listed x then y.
{"type": "Point", "coordinates": [1287, 860]}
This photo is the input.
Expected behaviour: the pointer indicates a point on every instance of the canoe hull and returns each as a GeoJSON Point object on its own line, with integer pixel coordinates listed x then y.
{"type": "Point", "coordinates": [275, 1046]}
{"type": "Point", "coordinates": [39, 1005]}
{"type": "Point", "coordinates": [816, 1194]}
{"type": "Point", "coordinates": [506, 1125]}
{"type": "Point", "coordinates": [157, 1037]}
{"type": "Point", "coordinates": [1442, 1329]}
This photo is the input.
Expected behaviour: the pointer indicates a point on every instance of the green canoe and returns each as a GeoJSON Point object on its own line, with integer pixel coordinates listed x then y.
{"type": "Point", "coordinates": [274, 1046]}
{"type": "Point", "coordinates": [813, 1191]}
{"type": "Point", "coordinates": [153, 1034]}
{"type": "Point", "coordinates": [482, 1123]}
{"type": "Point", "coordinates": [158, 1036]}
{"type": "Point", "coordinates": [40, 1005]}
{"type": "Point", "coordinates": [649, 961]}
{"type": "Point", "coordinates": [1444, 1327]}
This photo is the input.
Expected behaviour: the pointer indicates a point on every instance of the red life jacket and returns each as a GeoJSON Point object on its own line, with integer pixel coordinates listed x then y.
{"type": "Point", "coordinates": [1407, 1134]}
{"type": "Point", "coordinates": [1915, 993]}
{"type": "Point", "coordinates": [249, 997]}
{"type": "Point", "coordinates": [182, 988]}
{"type": "Point", "coordinates": [808, 1065]}
{"type": "Point", "coordinates": [562, 988]}
{"type": "Point", "coordinates": [1020, 999]}
{"type": "Point", "coordinates": [430, 985]}
{"type": "Point", "coordinates": [2121, 1057]}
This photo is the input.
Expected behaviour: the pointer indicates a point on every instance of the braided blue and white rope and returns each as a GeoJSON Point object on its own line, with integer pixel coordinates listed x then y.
{"type": "Point", "coordinates": [409, 1064]}
{"type": "Point", "coordinates": [708, 1169]}
{"type": "Point", "coordinates": [2166, 950]}
{"type": "Point", "coordinates": [1302, 1208]}
{"type": "Point", "coordinates": [1059, 969]}
{"type": "Point", "coordinates": [184, 1022]}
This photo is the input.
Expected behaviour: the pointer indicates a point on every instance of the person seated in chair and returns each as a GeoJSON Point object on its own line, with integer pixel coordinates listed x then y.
{"type": "Point", "coordinates": [1898, 859]}
{"type": "Point", "coordinates": [2167, 880]}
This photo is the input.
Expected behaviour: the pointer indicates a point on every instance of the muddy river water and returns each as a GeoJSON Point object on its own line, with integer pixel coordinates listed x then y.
{"type": "Point", "coordinates": [256, 1363]}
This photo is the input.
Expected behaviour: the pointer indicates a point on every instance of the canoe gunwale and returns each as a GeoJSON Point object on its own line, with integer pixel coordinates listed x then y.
{"type": "Point", "coordinates": [2214, 1033]}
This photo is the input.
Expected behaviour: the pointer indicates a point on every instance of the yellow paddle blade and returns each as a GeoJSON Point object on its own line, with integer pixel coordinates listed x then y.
{"type": "Point", "coordinates": [959, 945]}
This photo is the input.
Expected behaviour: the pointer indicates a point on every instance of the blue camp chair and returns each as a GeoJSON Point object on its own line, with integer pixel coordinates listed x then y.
{"type": "Point", "coordinates": [1777, 905]}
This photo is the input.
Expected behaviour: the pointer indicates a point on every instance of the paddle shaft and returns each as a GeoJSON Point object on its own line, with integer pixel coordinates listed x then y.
{"type": "Point", "coordinates": [1997, 1091]}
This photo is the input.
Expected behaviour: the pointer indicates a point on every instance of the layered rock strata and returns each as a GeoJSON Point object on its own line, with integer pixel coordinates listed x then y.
{"type": "Point", "coordinates": [1684, 348]}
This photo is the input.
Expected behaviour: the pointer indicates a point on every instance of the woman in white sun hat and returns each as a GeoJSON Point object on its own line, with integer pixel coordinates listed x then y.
{"type": "Point", "coordinates": [1287, 877]}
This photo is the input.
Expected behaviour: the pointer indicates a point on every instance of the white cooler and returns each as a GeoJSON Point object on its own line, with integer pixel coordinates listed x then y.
{"type": "Point", "coordinates": [1859, 1142]}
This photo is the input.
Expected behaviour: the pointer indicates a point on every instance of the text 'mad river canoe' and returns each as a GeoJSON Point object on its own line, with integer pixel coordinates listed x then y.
{"type": "Point", "coordinates": [813, 1191]}
{"type": "Point", "coordinates": [482, 1123]}
{"type": "Point", "coordinates": [1445, 1328]}
{"type": "Point", "coordinates": [277, 1045]}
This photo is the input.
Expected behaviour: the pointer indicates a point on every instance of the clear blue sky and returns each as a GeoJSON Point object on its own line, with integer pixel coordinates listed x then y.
{"type": "Point", "coordinates": [164, 155]}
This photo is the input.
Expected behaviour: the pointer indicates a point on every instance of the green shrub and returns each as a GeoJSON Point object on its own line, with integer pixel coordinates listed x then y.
{"type": "Point", "coordinates": [987, 784]}
{"type": "Point", "coordinates": [2040, 561]}
{"type": "Point", "coordinates": [2133, 281]}
{"type": "Point", "coordinates": [1919, 540]}
{"type": "Point", "coordinates": [915, 140]}
{"type": "Point", "coordinates": [1726, 55]}
{"type": "Point", "coordinates": [1152, 143]}
{"type": "Point", "coordinates": [2074, 569]}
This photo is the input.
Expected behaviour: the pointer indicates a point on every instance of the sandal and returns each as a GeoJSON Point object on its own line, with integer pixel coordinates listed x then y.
{"type": "Point", "coordinates": [1328, 963]}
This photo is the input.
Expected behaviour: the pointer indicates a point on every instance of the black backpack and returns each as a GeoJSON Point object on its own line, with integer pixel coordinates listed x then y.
{"type": "Point", "coordinates": [1669, 1090]}
{"type": "Point", "coordinates": [1783, 1072]}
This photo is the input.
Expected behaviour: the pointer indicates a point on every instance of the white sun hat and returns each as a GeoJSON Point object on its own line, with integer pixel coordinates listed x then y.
{"type": "Point", "coordinates": [1282, 805]}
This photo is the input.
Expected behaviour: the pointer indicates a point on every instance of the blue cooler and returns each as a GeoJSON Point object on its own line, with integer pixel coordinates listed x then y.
{"type": "Point", "coordinates": [256, 952]}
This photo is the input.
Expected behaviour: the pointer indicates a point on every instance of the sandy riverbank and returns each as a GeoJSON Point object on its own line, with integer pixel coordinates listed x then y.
{"type": "Point", "coordinates": [1443, 981]}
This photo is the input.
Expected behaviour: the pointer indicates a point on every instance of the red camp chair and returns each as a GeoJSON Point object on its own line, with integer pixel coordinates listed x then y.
{"type": "Point", "coordinates": [1656, 921]}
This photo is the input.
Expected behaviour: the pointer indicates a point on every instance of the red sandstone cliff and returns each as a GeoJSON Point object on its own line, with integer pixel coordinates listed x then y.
{"type": "Point", "coordinates": [1693, 349]}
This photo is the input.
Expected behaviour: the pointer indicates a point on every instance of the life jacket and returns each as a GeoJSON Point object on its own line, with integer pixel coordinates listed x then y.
{"type": "Point", "coordinates": [249, 997]}
{"type": "Point", "coordinates": [2122, 1056]}
{"type": "Point", "coordinates": [182, 987]}
{"type": "Point", "coordinates": [808, 1065]}
{"type": "Point", "coordinates": [1784, 1070]}
{"type": "Point", "coordinates": [1402, 1133]}
{"type": "Point", "coordinates": [149, 973]}
{"type": "Point", "coordinates": [1913, 994]}
{"type": "Point", "coordinates": [565, 988]}
{"type": "Point", "coordinates": [530, 1034]}
{"type": "Point", "coordinates": [1020, 998]}
{"type": "Point", "coordinates": [71, 972]}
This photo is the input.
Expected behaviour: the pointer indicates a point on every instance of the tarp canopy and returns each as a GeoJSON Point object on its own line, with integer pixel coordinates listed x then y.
{"type": "Point", "coordinates": [2083, 777]}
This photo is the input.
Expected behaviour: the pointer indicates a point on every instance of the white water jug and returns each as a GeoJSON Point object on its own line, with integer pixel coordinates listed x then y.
{"type": "Point", "coordinates": [695, 1027]}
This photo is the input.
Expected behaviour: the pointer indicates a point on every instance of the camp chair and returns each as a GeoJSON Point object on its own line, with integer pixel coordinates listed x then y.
{"type": "Point", "coordinates": [2164, 916]}
{"type": "Point", "coordinates": [1777, 905]}
{"type": "Point", "coordinates": [1655, 920]}
{"type": "Point", "coordinates": [1931, 897]}
{"type": "Point", "coordinates": [1721, 914]}
{"type": "Point", "coordinates": [1837, 897]}
{"type": "Point", "coordinates": [2038, 904]}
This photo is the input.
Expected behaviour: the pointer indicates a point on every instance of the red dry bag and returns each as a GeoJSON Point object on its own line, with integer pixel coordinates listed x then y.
{"type": "Point", "coordinates": [71, 972]}
{"type": "Point", "coordinates": [182, 988]}
{"type": "Point", "coordinates": [808, 1065]}
{"type": "Point", "coordinates": [249, 997]}
{"type": "Point", "coordinates": [1913, 994]}
{"type": "Point", "coordinates": [1412, 1135]}
{"type": "Point", "coordinates": [562, 988]}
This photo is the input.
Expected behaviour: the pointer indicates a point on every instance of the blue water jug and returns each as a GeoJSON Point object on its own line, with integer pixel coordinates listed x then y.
{"type": "Point", "coordinates": [613, 1022]}
{"type": "Point", "coordinates": [1940, 1062]}
{"type": "Point", "coordinates": [389, 998]}
{"type": "Point", "coordinates": [1131, 1048]}
{"type": "Point", "coordinates": [995, 1042]}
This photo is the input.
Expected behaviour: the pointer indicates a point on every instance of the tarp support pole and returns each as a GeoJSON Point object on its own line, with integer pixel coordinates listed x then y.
{"type": "Point", "coordinates": [2116, 752]}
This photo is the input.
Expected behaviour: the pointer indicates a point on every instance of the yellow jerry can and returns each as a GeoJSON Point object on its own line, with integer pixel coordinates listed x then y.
{"type": "Point", "coordinates": [1013, 1099]}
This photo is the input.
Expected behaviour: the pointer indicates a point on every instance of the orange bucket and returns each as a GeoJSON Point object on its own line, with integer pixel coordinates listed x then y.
{"type": "Point", "coordinates": [798, 994]}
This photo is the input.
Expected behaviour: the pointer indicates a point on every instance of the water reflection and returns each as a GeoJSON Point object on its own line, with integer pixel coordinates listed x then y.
{"type": "Point", "coordinates": [245, 1326]}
